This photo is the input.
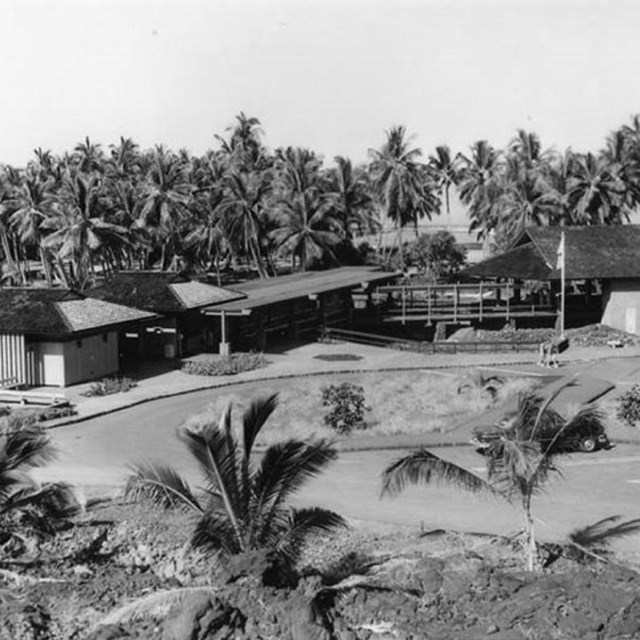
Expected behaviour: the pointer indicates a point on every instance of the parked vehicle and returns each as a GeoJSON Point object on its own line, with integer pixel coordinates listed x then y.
{"type": "Point", "coordinates": [588, 437]}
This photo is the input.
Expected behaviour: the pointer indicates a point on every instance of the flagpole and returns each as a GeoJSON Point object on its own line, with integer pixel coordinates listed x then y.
{"type": "Point", "coordinates": [562, 284]}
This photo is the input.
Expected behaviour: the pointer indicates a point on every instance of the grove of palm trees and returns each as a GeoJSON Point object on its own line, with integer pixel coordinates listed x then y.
{"type": "Point", "coordinates": [95, 209]}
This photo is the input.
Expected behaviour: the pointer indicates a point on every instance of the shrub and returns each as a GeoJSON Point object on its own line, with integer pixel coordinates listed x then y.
{"type": "Point", "coordinates": [347, 407]}
{"type": "Point", "coordinates": [629, 406]}
{"type": "Point", "coordinates": [108, 386]}
{"type": "Point", "coordinates": [226, 365]}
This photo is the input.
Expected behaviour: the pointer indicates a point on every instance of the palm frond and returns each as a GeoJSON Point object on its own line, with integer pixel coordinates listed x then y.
{"type": "Point", "coordinates": [161, 484]}
{"type": "Point", "coordinates": [286, 466]}
{"type": "Point", "coordinates": [216, 451]}
{"type": "Point", "coordinates": [602, 532]}
{"type": "Point", "coordinates": [303, 523]}
{"type": "Point", "coordinates": [424, 467]}
{"type": "Point", "coordinates": [54, 501]}
{"type": "Point", "coordinates": [154, 605]}
{"type": "Point", "coordinates": [254, 419]}
{"type": "Point", "coordinates": [214, 532]}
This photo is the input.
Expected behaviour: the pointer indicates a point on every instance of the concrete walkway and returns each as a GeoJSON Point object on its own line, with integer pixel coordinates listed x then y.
{"type": "Point", "coordinates": [620, 366]}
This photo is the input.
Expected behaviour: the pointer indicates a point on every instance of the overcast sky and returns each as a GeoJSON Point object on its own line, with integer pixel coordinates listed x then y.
{"type": "Point", "coordinates": [332, 75]}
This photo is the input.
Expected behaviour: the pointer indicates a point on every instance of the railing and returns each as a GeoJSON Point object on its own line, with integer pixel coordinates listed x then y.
{"type": "Point", "coordinates": [18, 396]}
{"type": "Point", "coordinates": [402, 344]}
{"type": "Point", "coordinates": [457, 302]}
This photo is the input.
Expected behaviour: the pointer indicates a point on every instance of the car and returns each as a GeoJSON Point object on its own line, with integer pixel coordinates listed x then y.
{"type": "Point", "coordinates": [590, 436]}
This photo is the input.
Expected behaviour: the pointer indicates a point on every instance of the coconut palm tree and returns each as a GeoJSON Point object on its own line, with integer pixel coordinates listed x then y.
{"type": "Point", "coordinates": [11, 269]}
{"type": "Point", "coordinates": [596, 191]}
{"type": "Point", "coordinates": [403, 184]}
{"type": "Point", "coordinates": [520, 461]}
{"type": "Point", "coordinates": [164, 200]}
{"type": "Point", "coordinates": [351, 199]}
{"type": "Point", "coordinates": [243, 506]}
{"type": "Point", "coordinates": [304, 209]}
{"type": "Point", "coordinates": [244, 211]}
{"type": "Point", "coordinates": [32, 201]}
{"type": "Point", "coordinates": [444, 167]}
{"type": "Point", "coordinates": [479, 186]}
{"type": "Point", "coordinates": [79, 234]}
{"type": "Point", "coordinates": [89, 157]}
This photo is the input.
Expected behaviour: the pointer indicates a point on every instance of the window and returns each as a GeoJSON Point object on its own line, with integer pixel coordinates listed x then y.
{"type": "Point", "coordinates": [79, 344]}
{"type": "Point", "coordinates": [105, 337]}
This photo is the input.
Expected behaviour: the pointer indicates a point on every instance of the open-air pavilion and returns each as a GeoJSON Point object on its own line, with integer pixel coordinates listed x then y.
{"type": "Point", "coordinates": [602, 271]}
{"type": "Point", "coordinates": [291, 307]}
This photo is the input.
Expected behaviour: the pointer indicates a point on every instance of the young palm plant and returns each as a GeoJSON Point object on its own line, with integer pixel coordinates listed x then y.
{"type": "Point", "coordinates": [28, 508]}
{"type": "Point", "coordinates": [243, 504]}
{"type": "Point", "coordinates": [520, 461]}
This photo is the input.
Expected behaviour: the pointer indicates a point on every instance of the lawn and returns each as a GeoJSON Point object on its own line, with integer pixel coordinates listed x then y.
{"type": "Point", "coordinates": [407, 402]}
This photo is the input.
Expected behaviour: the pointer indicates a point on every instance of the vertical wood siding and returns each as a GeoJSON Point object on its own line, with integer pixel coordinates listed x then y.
{"type": "Point", "coordinates": [12, 360]}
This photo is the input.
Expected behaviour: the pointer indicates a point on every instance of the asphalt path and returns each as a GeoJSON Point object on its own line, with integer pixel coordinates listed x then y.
{"type": "Point", "coordinates": [95, 454]}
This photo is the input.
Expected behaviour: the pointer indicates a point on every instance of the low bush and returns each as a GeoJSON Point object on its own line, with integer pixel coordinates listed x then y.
{"type": "Point", "coordinates": [22, 418]}
{"type": "Point", "coordinates": [628, 410]}
{"type": "Point", "coordinates": [109, 386]}
{"type": "Point", "coordinates": [226, 365]}
{"type": "Point", "coordinates": [347, 407]}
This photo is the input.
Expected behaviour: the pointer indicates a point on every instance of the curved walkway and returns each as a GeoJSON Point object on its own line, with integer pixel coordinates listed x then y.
{"type": "Point", "coordinates": [303, 361]}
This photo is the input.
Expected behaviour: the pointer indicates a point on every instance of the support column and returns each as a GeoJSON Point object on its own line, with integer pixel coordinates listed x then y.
{"type": "Point", "coordinates": [225, 346]}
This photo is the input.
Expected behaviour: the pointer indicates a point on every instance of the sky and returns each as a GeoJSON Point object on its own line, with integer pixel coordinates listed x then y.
{"type": "Point", "coordinates": [332, 75]}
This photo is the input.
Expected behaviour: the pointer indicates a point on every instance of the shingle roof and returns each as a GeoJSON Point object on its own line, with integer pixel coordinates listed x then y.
{"type": "Point", "coordinates": [59, 312]}
{"type": "Point", "coordinates": [524, 263]}
{"type": "Point", "coordinates": [261, 293]}
{"type": "Point", "coordinates": [89, 313]}
{"type": "Point", "coordinates": [160, 292]}
{"type": "Point", "coordinates": [590, 252]}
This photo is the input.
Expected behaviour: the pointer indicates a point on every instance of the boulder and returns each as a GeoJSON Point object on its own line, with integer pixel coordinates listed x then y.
{"type": "Point", "coordinates": [203, 616]}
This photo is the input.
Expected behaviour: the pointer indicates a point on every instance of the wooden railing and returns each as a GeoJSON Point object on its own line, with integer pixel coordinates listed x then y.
{"type": "Point", "coordinates": [402, 344]}
{"type": "Point", "coordinates": [457, 302]}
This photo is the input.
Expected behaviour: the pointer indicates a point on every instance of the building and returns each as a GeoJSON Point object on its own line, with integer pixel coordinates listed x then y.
{"type": "Point", "coordinates": [602, 270]}
{"type": "Point", "coordinates": [290, 307]}
{"type": "Point", "coordinates": [178, 300]}
{"type": "Point", "coordinates": [58, 337]}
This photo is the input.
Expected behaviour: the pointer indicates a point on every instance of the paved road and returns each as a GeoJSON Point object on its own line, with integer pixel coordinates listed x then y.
{"type": "Point", "coordinates": [95, 454]}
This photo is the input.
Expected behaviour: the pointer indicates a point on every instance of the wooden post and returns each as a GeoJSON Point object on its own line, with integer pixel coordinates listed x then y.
{"type": "Point", "coordinates": [404, 306]}
{"type": "Point", "coordinates": [508, 300]}
{"type": "Point", "coordinates": [224, 349]}
{"type": "Point", "coordinates": [456, 293]}
{"type": "Point", "coordinates": [480, 296]}
{"type": "Point", "coordinates": [429, 319]}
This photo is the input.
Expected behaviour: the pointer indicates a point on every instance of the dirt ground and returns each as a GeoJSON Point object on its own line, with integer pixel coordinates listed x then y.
{"type": "Point", "coordinates": [403, 584]}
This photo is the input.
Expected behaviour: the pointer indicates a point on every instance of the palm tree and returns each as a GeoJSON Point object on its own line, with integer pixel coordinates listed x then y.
{"type": "Point", "coordinates": [32, 201]}
{"type": "Point", "coordinates": [164, 200]}
{"type": "Point", "coordinates": [12, 270]}
{"type": "Point", "coordinates": [25, 504]}
{"type": "Point", "coordinates": [519, 462]}
{"type": "Point", "coordinates": [596, 192]}
{"type": "Point", "coordinates": [445, 170]}
{"type": "Point", "coordinates": [243, 505]}
{"type": "Point", "coordinates": [243, 209]}
{"type": "Point", "coordinates": [79, 234]}
{"type": "Point", "coordinates": [244, 149]}
{"type": "Point", "coordinates": [306, 224]}
{"type": "Point", "coordinates": [403, 184]}
{"type": "Point", "coordinates": [89, 157]}
{"type": "Point", "coordinates": [349, 191]}
{"type": "Point", "coordinates": [479, 186]}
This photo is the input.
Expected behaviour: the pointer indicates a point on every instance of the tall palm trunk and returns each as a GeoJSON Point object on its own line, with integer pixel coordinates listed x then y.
{"type": "Point", "coordinates": [46, 266]}
{"type": "Point", "coordinates": [8, 256]}
{"type": "Point", "coordinates": [531, 549]}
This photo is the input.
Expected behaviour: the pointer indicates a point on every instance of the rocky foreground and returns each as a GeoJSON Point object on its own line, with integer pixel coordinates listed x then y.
{"type": "Point", "coordinates": [354, 586]}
